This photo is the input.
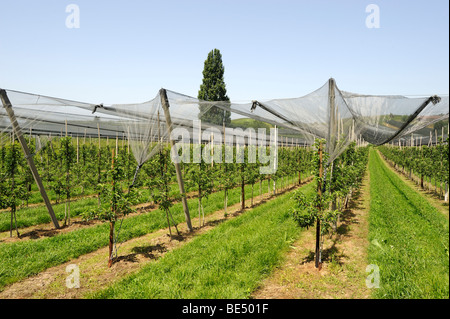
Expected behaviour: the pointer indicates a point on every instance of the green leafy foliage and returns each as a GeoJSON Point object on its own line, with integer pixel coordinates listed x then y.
{"type": "Point", "coordinates": [425, 161]}
{"type": "Point", "coordinates": [116, 202]}
{"type": "Point", "coordinates": [213, 89]}
{"type": "Point", "coordinates": [343, 175]}
{"type": "Point", "coordinates": [12, 182]}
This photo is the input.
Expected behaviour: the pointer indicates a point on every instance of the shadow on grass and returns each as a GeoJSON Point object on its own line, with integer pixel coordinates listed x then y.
{"type": "Point", "coordinates": [40, 232]}
{"type": "Point", "coordinates": [145, 251]}
{"type": "Point", "coordinates": [329, 255]}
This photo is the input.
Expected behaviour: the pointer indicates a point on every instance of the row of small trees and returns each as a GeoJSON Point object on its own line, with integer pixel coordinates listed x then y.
{"type": "Point", "coordinates": [14, 182]}
{"type": "Point", "coordinates": [85, 168]}
{"type": "Point", "coordinates": [70, 173]}
{"type": "Point", "coordinates": [93, 169]}
{"type": "Point", "coordinates": [428, 163]}
{"type": "Point", "coordinates": [335, 185]}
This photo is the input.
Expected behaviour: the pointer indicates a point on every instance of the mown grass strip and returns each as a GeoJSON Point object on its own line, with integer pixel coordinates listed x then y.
{"type": "Point", "coordinates": [31, 216]}
{"type": "Point", "coordinates": [22, 259]}
{"type": "Point", "coordinates": [409, 238]}
{"type": "Point", "coordinates": [229, 261]}
{"type": "Point", "coordinates": [36, 215]}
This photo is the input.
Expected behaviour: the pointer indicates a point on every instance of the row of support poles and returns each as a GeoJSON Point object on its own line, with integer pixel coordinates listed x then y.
{"type": "Point", "coordinates": [29, 157]}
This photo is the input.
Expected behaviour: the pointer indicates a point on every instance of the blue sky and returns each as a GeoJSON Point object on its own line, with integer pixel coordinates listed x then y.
{"type": "Point", "coordinates": [125, 51]}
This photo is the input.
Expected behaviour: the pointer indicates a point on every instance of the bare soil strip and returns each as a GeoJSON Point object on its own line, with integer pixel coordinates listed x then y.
{"type": "Point", "coordinates": [344, 260]}
{"type": "Point", "coordinates": [133, 254]}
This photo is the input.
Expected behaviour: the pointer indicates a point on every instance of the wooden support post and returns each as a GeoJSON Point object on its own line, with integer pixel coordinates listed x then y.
{"type": "Point", "coordinates": [165, 105]}
{"type": "Point", "coordinates": [18, 132]}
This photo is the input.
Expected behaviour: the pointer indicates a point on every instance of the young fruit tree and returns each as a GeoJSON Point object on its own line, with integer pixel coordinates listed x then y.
{"type": "Point", "coordinates": [67, 159]}
{"type": "Point", "coordinates": [310, 211]}
{"type": "Point", "coordinates": [12, 188]}
{"type": "Point", "coordinates": [159, 184]}
{"type": "Point", "coordinates": [116, 203]}
{"type": "Point", "coordinates": [200, 177]}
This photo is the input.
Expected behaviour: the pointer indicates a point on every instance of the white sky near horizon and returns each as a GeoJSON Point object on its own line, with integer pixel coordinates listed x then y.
{"type": "Point", "coordinates": [125, 51]}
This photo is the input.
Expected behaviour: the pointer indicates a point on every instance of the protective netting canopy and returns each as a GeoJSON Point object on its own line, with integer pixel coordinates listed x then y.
{"type": "Point", "coordinates": [338, 116]}
{"type": "Point", "coordinates": [341, 117]}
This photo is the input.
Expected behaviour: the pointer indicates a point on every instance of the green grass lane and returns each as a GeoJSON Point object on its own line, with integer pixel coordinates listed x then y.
{"type": "Point", "coordinates": [229, 261]}
{"type": "Point", "coordinates": [31, 216]}
{"type": "Point", "coordinates": [25, 258]}
{"type": "Point", "coordinates": [409, 238]}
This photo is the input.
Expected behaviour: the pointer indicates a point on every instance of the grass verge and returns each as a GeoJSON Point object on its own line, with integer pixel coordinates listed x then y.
{"type": "Point", "coordinates": [22, 259]}
{"type": "Point", "coordinates": [409, 238]}
{"type": "Point", "coordinates": [227, 262]}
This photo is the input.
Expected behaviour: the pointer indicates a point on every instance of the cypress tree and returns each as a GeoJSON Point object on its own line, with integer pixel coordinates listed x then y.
{"type": "Point", "coordinates": [213, 89]}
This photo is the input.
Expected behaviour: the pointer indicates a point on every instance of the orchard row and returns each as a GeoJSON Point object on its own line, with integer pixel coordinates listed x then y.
{"type": "Point", "coordinates": [428, 165]}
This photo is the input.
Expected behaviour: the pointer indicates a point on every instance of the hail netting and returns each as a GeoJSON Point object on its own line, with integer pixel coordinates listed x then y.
{"type": "Point", "coordinates": [431, 122]}
{"type": "Point", "coordinates": [202, 119]}
{"type": "Point", "coordinates": [338, 116]}
{"type": "Point", "coordinates": [391, 118]}
{"type": "Point", "coordinates": [320, 114]}
{"type": "Point", "coordinates": [43, 115]}
{"type": "Point", "coordinates": [341, 117]}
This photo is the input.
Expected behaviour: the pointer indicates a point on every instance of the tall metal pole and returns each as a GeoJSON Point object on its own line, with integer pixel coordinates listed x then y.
{"type": "Point", "coordinates": [18, 132]}
{"type": "Point", "coordinates": [165, 105]}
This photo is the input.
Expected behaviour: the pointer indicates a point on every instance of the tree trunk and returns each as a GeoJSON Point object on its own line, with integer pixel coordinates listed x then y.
{"type": "Point", "coordinates": [319, 192]}
{"type": "Point", "coordinates": [242, 188]}
{"type": "Point", "coordinates": [252, 194]}
{"type": "Point", "coordinates": [111, 243]}
{"type": "Point", "coordinates": [446, 192]}
{"type": "Point", "coordinates": [13, 218]}
{"type": "Point", "coordinates": [168, 223]}
{"type": "Point", "coordinates": [225, 201]}
{"type": "Point", "coordinates": [260, 189]}
{"type": "Point", "coordinates": [317, 252]}
{"type": "Point", "coordinates": [173, 222]}
{"type": "Point", "coordinates": [199, 205]}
